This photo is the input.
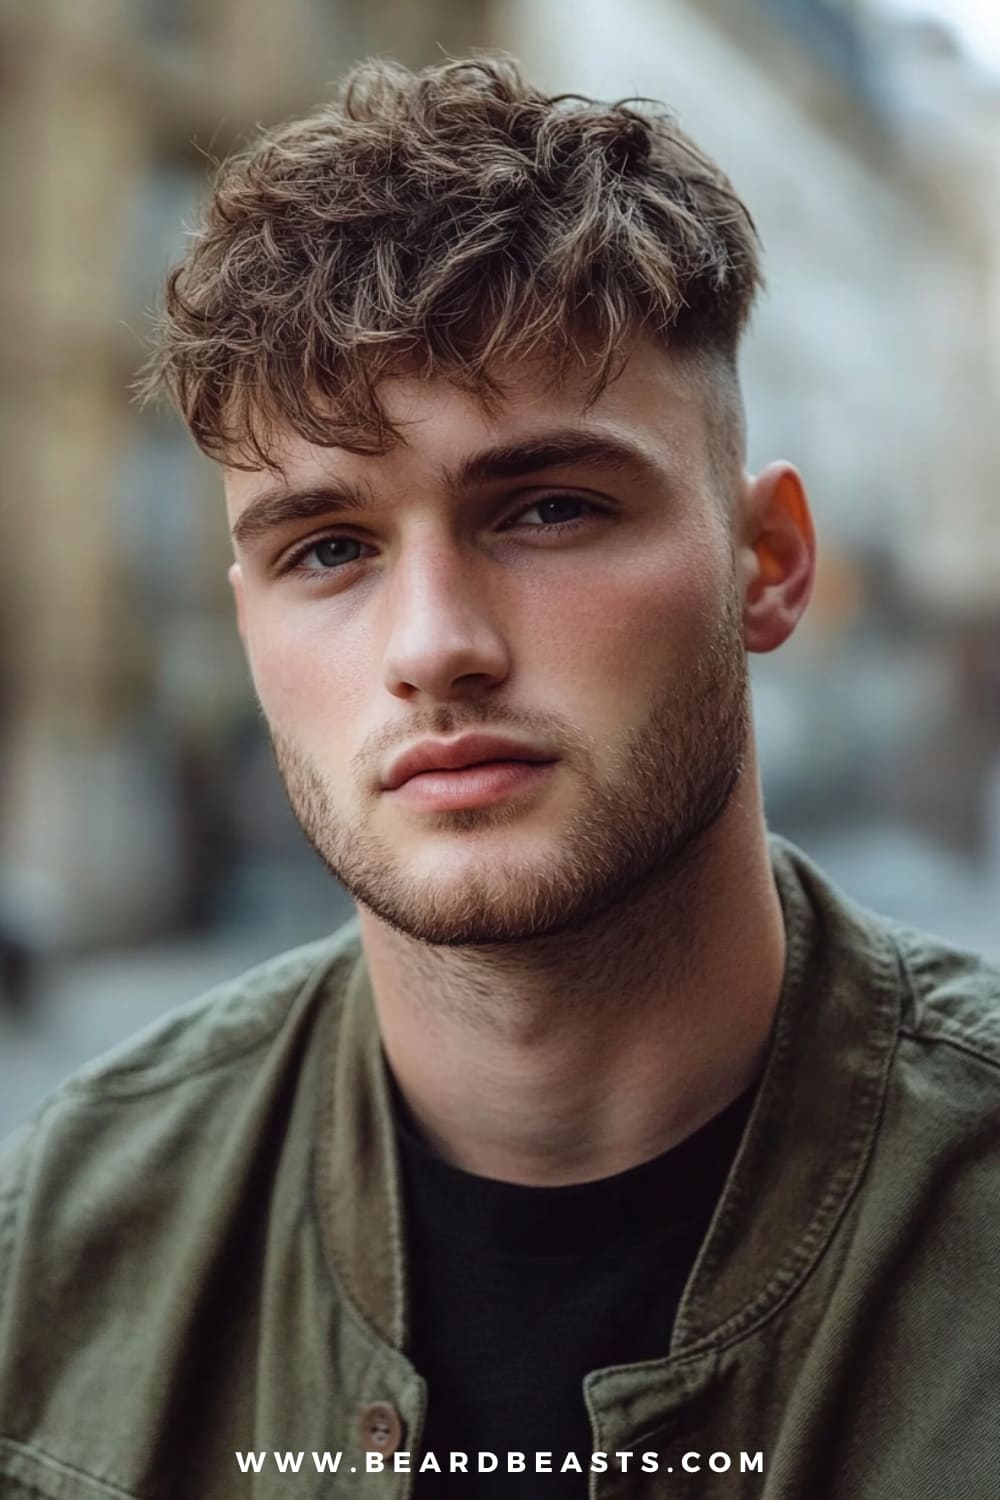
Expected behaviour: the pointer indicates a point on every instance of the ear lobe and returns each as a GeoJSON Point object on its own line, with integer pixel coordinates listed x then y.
{"type": "Point", "coordinates": [780, 551]}
{"type": "Point", "coordinates": [235, 576]}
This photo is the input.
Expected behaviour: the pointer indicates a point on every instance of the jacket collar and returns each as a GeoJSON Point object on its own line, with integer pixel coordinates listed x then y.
{"type": "Point", "coordinates": [802, 1156]}
{"type": "Point", "coordinates": [816, 1114]}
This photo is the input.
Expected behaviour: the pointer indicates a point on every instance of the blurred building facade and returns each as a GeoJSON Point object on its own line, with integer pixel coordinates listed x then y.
{"type": "Point", "coordinates": [125, 697]}
{"type": "Point", "coordinates": [871, 364]}
{"type": "Point", "coordinates": [137, 780]}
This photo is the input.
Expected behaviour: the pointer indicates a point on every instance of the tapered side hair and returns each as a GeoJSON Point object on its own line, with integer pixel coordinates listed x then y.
{"type": "Point", "coordinates": [442, 223]}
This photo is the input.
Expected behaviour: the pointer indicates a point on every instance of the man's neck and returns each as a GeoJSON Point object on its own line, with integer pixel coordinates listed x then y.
{"type": "Point", "coordinates": [582, 1054]}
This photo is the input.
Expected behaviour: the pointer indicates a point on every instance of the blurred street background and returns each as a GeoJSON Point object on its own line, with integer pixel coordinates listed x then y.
{"type": "Point", "coordinates": [147, 849]}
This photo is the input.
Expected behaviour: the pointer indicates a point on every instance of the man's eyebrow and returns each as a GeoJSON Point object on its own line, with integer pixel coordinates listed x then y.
{"type": "Point", "coordinates": [546, 451]}
{"type": "Point", "coordinates": [280, 506]}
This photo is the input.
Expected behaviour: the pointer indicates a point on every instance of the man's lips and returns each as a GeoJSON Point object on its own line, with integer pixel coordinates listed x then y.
{"type": "Point", "coordinates": [453, 755]}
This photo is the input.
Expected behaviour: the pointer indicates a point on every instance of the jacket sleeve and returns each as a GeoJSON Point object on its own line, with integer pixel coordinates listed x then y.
{"type": "Point", "coordinates": [15, 1158]}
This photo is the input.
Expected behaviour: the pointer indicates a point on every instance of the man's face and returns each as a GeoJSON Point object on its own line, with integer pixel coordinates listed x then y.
{"type": "Point", "coordinates": [454, 601]}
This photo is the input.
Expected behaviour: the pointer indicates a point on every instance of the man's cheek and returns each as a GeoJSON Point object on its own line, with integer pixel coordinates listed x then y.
{"type": "Point", "coordinates": [285, 669]}
{"type": "Point", "coordinates": [283, 698]}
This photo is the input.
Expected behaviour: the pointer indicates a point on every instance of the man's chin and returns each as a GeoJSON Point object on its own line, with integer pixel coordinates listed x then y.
{"type": "Point", "coordinates": [481, 905]}
{"type": "Point", "coordinates": [441, 930]}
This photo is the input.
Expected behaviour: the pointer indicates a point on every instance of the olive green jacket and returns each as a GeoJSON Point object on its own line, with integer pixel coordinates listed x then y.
{"type": "Point", "coordinates": [202, 1251]}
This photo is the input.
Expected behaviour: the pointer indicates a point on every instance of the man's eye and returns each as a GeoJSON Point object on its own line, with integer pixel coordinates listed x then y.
{"type": "Point", "coordinates": [330, 553]}
{"type": "Point", "coordinates": [556, 503]}
{"type": "Point", "coordinates": [325, 555]}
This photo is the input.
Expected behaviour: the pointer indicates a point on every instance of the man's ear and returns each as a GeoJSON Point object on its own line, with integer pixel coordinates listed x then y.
{"type": "Point", "coordinates": [236, 584]}
{"type": "Point", "coordinates": [777, 553]}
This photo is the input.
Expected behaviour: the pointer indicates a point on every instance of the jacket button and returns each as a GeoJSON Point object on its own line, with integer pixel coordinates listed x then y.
{"type": "Point", "coordinates": [380, 1428]}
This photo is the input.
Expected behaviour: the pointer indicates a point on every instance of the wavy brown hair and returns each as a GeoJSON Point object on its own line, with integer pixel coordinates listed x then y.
{"type": "Point", "coordinates": [442, 222]}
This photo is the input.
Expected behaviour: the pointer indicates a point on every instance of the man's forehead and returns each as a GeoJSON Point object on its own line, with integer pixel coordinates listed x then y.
{"type": "Point", "coordinates": [453, 436]}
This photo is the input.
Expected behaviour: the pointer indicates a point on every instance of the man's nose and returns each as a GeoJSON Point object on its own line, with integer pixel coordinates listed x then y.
{"type": "Point", "coordinates": [443, 633]}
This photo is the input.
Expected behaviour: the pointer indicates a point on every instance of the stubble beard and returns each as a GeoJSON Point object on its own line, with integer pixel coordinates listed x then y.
{"type": "Point", "coordinates": [670, 782]}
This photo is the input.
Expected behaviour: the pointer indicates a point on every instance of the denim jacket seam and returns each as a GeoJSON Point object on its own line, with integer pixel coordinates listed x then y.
{"type": "Point", "coordinates": [957, 1041]}
{"type": "Point", "coordinates": [927, 1024]}
{"type": "Point", "coordinates": [345, 1292]}
{"type": "Point", "coordinates": [137, 1084]}
{"type": "Point", "coordinates": [343, 1284]}
{"type": "Point", "coordinates": [61, 1468]}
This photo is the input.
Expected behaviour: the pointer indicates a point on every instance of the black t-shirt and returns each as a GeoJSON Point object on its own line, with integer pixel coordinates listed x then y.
{"type": "Point", "coordinates": [517, 1293]}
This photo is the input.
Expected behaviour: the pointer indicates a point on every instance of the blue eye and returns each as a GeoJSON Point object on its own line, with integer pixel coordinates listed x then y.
{"type": "Point", "coordinates": [328, 559]}
{"type": "Point", "coordinates": [326, 555]}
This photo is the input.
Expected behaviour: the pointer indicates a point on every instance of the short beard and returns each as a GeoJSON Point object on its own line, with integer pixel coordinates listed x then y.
{"type": "Point", "coordinates": [673, 778]}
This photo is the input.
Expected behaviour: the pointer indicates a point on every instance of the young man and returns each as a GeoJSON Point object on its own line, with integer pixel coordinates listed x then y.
{"type": "Point", "coordinates": [610, 1150]}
